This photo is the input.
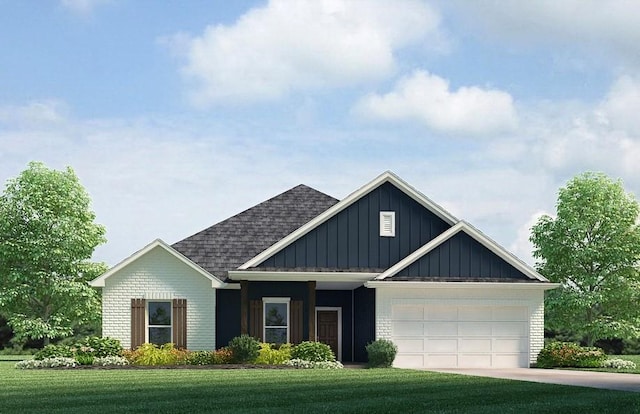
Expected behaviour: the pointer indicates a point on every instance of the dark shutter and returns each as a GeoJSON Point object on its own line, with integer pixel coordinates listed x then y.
{"type": "Point", "coordinates": [255, 319]}
{"type": "Point", "coordinates": [138, 322]}
{"type": "Point", "coordinates": [180, 323]}
{"type": "Point", "coordinates": [296, 323]}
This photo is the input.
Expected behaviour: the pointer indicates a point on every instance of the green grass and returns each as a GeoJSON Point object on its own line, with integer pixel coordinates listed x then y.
{"type": "Point", "coordinates": [282, 391]}
{"type": "Point", "coordinates": [633, 358]}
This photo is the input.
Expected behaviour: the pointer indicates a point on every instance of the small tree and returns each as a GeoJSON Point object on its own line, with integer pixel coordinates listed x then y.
{"type": "Point", "coordinates": [47, 236]}
{"type": "Point", "coordinates": [592, 248]}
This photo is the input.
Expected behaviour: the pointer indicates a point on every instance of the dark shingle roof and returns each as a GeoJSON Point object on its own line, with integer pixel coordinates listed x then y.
{"type": "Point", "coordinates": [232, 242]}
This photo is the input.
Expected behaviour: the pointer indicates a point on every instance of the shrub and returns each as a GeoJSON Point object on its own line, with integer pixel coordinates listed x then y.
{"type": "Point", "coordinates": [150, 354]}
{"type": "Point", "coordinates": [270, 356]}
{"type": "Point", "coordinates": [301, 363]}
{"type": "Point", "coordinates": [55, 362]}
{"type": "Point", "coordinates": [245, 349]}
{"type": "Point", "coordinates": [200, 358]}
{"type": "Point", "coordinates": [618, 364]}
{"type": "Point", "coordinates": [312, 351]}
{"type": "Point", "coordinates": [54, 351]}
{"type": "Point", "coordinates": [102, 347]}
{"type": "Point", "coordinates": [110, 361]}
{"type": "Point", "coordinates": [381, 353]}
{"type": "Point", "coordinates": [568, 354]}
{"type": "Point", "coordinates": [222, 356]}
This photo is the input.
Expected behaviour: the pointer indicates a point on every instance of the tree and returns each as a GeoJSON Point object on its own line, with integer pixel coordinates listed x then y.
{"type": "Point", "coordinates": [47, 237]}
{"type": "Point", "coordinates": [592, 248]}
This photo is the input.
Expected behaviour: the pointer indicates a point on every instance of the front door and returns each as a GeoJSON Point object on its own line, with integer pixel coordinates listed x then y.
{"type": "Point", "coordinates": [327, 325]}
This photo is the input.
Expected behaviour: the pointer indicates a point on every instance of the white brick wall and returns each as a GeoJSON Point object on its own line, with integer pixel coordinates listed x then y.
{"type": "Point", "coordinates": [159, 275]}
{"type": "Point", "coordinates": [533, 299]}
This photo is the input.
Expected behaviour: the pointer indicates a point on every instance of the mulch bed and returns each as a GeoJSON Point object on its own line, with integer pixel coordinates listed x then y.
{"type": "Point", "coordinates": [217, 366]}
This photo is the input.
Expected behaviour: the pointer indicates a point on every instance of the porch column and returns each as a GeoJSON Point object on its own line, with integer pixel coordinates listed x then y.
{"type": "Point", "coordinates": [312, 309]}
{"type": "Point", "coordinates": [244, 307]}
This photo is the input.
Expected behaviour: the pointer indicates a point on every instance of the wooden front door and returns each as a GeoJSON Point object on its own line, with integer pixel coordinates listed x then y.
{"type": "Point", "coordinates": [327, 321]}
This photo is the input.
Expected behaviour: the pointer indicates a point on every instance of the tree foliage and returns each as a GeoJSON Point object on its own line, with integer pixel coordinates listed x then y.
{"type": "Point", "coordinates": [47, 237]}
{"type": "Point", "coordinates": [592, 248]}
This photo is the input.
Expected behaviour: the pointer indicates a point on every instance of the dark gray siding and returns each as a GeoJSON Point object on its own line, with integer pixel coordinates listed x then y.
{"type": "Point", "coordinates": [460, 257]}
{"type": "Point", "coordinates": [364, 315]}
{"type": "Point", "coordinates": [227, 316]}
{"type": "Point", "coordinates": [351, 239]}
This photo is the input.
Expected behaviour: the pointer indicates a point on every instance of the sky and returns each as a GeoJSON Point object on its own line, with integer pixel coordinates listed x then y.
{"type": "Point", "coordinates": [177, 115]}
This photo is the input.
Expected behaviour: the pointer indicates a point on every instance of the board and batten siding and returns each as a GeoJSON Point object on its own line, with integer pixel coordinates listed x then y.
{"type": "Point", "coordinates": [490, 296]}
{"type": "Point", "coordinates": [460, 257]}
{"type": "Point", "coordinates": [159, 276]}
{"type": "Point", "coordinates": [351, 239]}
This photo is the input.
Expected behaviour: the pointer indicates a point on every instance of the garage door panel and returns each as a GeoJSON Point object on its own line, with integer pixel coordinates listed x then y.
{"type": "Point", "coordinates": [474, 313]}
{"type": "Point", "coordinates": [509, 329]}
{"type": "Point", "coordinates": [458, 336]}
{"type": "Point", "coordinates": [441, 313]}
{"type": "Point", "coordinates": [440, 329]}
{"type": "Point", "coordinates": [410, 345]}
{"type": "Point", "coordinates": [474, 328]}
{"type": "Point", "coordinates": [408, 313]}
{"type": "Point", "coordinates": [475, 345]}
{"type": "Point", "coordinates": [441, 345]}
{"type": "Point", "coordinates": [402, 328]}
{"type": "Point", "coordinates": [510, 313]}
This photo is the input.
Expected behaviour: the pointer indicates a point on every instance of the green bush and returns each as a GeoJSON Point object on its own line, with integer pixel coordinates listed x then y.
{"type": "Point", "coordinates": [200, 358]}
{"type": "Point", "coordinates": [312, 351]}
{"type": "Point", "coordinates": [270, 356]}
{"type": "Point", "coordinates": [245, 349]}
{"type": "Point", "coordinates": [568, 354]}
{"type": "Point", "coordinates": [54, 351]}
{"type": "Point", "coordinates": [381, 353]}
{"type": "Point", "coordinates": [150, 354]}
{"type": "Point", "coordinates": [102, 347]}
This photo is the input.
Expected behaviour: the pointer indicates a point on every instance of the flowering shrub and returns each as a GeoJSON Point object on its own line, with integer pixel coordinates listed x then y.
{"type": "Point", "coordinates": [48, 363]}
{"type": "Point", "coordinates": [117, 361]}
{"type": "Point", "coordinates": [618, 364]}
{"type": "Point", "coordinates": [83, 351]}
{"type": "Point", "coordinates": [568, 354]}
{"type": "Point", "coordinates": [53, 351]}
{"type": "Point", "coordinates": [270, 356]}
{"type": "Point", "coordinates": [150, 354]}
{"type": "Point", "coordinates": [381, 353]}
{"type": "Point", "coordinates": [200, 358]}
{"type": "Point", "coordinates": [101, 347]}
{"type": "Point", "coordinates": [222, 356]}
{"type": "Point", "coordinates": [313, 351]}
{"type": "Point", "coordinates": [301, 363]}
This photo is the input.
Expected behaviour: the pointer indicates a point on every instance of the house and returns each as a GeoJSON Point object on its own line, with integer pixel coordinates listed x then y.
{"type": "Point", "coordinates": [385, 262]}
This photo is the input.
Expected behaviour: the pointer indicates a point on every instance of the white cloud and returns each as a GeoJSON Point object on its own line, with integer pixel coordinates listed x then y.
{"type": "Point", "coordinates": [83, 7]}
{"type": "Point", "coordinates": [33, 113]}
{"type": "Point", "coordinates": [522, 246]}
{"type": "Point", "coordinates": [428, 98]}
{"type": "Point", "coordinates": [594, 26]}
{"type": "Point", "coordinates": [289, 46]}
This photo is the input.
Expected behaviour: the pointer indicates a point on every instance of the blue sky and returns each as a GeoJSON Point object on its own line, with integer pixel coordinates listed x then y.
{"type": "Point", "coordinates": [176, 115]}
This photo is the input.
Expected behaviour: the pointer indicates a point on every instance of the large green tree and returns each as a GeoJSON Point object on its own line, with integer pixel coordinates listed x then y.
{"type": "Point", "coordinates": [592, 248]}
{"type": "Point", "coordinates": [47, 238]}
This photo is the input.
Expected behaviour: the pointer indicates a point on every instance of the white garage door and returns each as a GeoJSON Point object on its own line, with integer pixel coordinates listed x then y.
{"type": "Point", "coordinates": [433, 336]}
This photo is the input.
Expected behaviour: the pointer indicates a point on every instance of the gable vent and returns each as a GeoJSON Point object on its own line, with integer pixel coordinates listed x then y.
{"type": "Point", "coordinates": [388, 223]}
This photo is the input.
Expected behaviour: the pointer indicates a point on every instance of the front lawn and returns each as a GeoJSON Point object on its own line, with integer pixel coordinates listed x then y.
{"type": "Point", "coordinates": [277, 391]}
{"type": "Point", "coordinates": [633, 358]}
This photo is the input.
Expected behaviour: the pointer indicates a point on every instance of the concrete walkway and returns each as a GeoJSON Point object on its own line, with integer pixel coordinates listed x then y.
{"type": "Point", "coordinates": [606, 380]}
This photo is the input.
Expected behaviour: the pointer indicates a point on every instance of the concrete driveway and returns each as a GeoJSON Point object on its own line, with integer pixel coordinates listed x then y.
{"type": "Point", "coordinates": [606, 380]}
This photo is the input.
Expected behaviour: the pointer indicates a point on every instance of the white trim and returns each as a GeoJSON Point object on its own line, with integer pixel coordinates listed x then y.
{"type": "Point", "coordinates": [100, 280]}
{"type": "Point", "coordinates": [387, 224]}
{"type": "Point", "coordinates": [332, 308]}
{"type": "Point", "coordinates": [265, 301]}
{"type": "Point", "coordinates": [258, 275]}
{"type": "Point", "coordinates": [387, 176]}
{"type": "Point", "coordinates": [475, 234]}
{"type": "Point", "coordinates": [460, 285]}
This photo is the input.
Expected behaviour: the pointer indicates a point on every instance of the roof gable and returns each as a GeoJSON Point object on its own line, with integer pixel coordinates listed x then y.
{"type": "Point", "coordinates": [156, 244]}
{"type": "Point", "coordinates": [343, 210]}
{"type": "Point", "coordinates": [228, 244]}
{"type": "Point", "coordinates": [462, 253]}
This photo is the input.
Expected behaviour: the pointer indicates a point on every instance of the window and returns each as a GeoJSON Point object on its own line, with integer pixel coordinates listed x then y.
{"type": "Point", "coordinates": [159, 323]}
{"type": "Point", "coordinates": [276, 320]}
{"type": "Point", "coordinates": [388, 223]}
